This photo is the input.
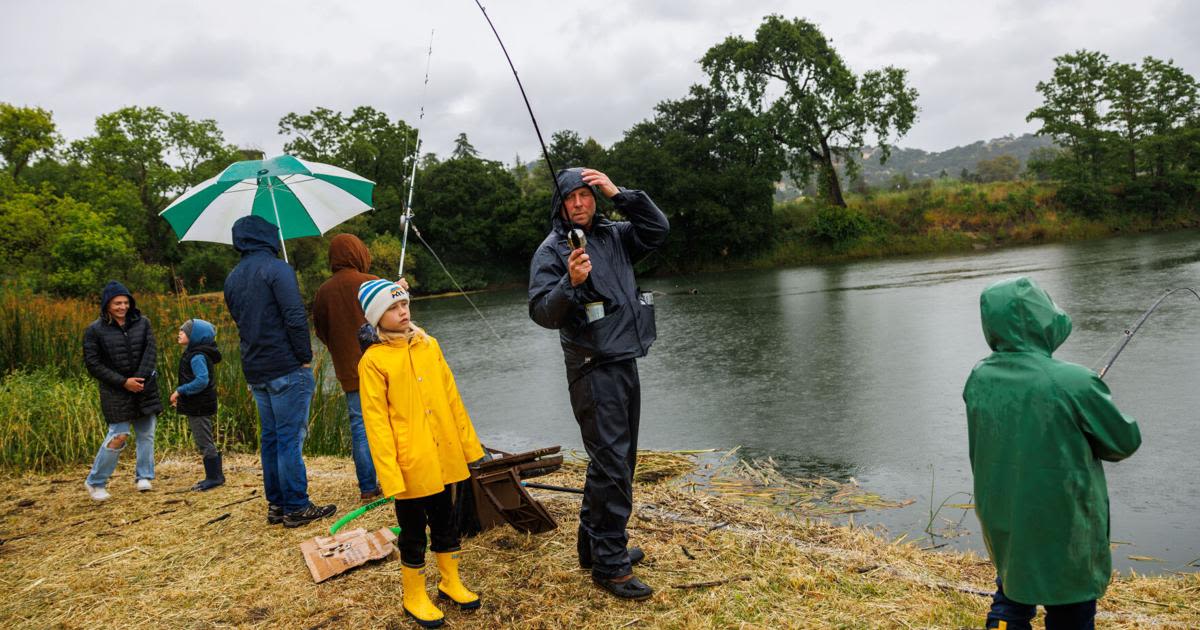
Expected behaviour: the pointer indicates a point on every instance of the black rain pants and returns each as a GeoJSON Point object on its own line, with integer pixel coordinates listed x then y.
{"type": "Point", "coordinates": [606, 400]}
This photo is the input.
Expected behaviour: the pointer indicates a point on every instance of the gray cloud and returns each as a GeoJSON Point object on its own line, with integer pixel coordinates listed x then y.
{"type": "Point", "coordinates": [596, 69]}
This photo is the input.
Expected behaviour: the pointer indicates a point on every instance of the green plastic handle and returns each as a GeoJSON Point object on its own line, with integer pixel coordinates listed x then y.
{"type": "Point", "coordinates": [333, 529]}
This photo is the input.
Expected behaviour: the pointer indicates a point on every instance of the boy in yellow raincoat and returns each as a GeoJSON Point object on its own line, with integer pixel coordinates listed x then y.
{"type": "Point", "coordinates": [421, 439]}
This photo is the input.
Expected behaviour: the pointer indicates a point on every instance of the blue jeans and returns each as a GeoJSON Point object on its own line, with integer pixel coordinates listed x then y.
{"type": "Point", "coordinates": [359, 448]}
{"type": "Point", "coordinates": [1081, 616]}
{"type": "Point", "coordinates": [106, 459]}
{"type": "Point", "coordinates": [283, 405]}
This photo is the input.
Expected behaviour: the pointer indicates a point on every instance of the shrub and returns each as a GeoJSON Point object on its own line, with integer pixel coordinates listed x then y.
{"type": "Point", "coordinates": [839, 225]}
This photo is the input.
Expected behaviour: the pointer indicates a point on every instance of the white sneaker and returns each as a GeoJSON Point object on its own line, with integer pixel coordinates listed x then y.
{"type": "Point", "coordinates": [98, 493]}
{"type": "Point", "coordinates": [143, 485]}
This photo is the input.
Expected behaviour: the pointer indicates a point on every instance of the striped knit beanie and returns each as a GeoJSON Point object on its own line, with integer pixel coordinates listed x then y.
{"type": "Point", "coordinates": [376, 296]}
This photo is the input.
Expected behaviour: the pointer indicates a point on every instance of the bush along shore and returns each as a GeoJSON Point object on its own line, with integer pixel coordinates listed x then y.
{"type": "Point", "coordinates": [172, 558]}
{"type": "Point", "coordinates": [948, 216]}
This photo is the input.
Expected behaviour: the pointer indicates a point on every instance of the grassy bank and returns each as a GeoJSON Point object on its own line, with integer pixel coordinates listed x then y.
{"type": "Point", "coordinates": [163, 559]}
{"type": "Point", "coordinates": [49, 405]}
{"type": "Point", "coordinates": [945, 217]}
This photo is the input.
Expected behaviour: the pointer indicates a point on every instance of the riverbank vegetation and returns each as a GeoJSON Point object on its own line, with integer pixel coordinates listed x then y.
{"type": "Point", "coordinates": [175, 559]}
{"type": "Point", "coordinates": [941, 216]}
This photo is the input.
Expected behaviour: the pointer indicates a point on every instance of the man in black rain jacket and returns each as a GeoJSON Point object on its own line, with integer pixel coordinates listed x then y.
{"type": "Point", "coordinates": [564, 285]}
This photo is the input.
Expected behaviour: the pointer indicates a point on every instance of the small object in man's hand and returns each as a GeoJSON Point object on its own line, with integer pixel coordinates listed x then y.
{"type": "Point", "coordinates": [577, 239]}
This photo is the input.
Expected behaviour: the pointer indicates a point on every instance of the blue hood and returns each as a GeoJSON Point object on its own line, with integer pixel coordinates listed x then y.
{"type": "Point", "coordinates": [202, 332]}
{"type": "Point", "coordinates": [112, 290]}
{"type": "Point", "coordinates": [569, 180]}
{"type": "Point", "coordinates": [253, 234]}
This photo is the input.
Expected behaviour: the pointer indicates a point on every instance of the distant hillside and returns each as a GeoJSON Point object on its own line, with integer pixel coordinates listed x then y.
{"type": "Point", "coordinates": [920, 164]}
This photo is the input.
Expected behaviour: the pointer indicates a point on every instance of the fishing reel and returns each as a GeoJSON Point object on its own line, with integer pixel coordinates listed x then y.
{"type": "Point", "coordinates": [577, 238]}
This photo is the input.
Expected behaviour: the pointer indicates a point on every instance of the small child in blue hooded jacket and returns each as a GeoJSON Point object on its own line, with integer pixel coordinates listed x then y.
{"type": "Point", "coordinates": [196, 396]}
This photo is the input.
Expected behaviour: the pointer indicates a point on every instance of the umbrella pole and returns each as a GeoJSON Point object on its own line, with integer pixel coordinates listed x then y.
{"type": "Point", "coordinates": [278, 225]}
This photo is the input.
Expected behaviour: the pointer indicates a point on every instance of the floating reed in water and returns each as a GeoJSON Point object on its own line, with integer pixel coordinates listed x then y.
{"type": "Point", "coordinates": [760, 482]}
{"type": "Point", "coordinates": [757, 481]}
{"type": "Point", "coordinates": [652, 466]}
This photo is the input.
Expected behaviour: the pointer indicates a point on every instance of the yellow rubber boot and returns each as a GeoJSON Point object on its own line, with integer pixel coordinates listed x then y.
{"type": "Point", "coordinates": [450, 586]}
{"type": "Point", "coordinates": [416, 601]}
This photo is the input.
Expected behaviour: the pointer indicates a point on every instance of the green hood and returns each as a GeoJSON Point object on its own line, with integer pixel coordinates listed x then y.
{"type": "Point", "coordinates": [1018, 316]}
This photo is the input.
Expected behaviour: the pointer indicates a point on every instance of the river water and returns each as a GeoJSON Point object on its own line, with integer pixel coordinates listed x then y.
{"type": "Point", "coordinates": [856, 370]}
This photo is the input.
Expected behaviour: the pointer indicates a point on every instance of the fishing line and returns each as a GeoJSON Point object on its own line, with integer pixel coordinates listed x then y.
{"type": "Point", "coordinates": [1131, 331]}
{"type": "Point", "coordinates": [456, 284]}
{"type": "Point", "coordinates": [406, 216]}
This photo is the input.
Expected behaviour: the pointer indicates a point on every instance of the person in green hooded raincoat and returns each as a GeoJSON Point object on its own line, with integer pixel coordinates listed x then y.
{"type": "Point", "coordinates": [1038, 430]}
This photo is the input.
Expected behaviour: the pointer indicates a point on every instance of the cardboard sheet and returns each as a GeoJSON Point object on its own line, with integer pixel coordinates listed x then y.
{"type": "Point", "coordinates": [327, 556]}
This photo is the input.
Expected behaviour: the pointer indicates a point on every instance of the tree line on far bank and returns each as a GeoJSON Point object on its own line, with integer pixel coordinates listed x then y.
{"type": "Point", "coordinates": [73, 214]}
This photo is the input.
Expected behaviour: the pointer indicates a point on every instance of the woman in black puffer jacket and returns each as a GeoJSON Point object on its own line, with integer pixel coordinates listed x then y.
{"type": "Point", "coordinates": [119, 351]}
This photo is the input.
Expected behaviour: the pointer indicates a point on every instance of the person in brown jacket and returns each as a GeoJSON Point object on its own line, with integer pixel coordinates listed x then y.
{"type": "Point", "coordinates": [337, 317]}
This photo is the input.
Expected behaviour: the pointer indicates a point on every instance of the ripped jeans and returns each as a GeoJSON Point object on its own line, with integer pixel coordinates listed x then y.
{"type": "Point", "coordinates": [106, 459]}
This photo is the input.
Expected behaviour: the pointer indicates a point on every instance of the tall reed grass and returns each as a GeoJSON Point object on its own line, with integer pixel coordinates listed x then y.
{"type": "Point", "coordinates": [49, 405]}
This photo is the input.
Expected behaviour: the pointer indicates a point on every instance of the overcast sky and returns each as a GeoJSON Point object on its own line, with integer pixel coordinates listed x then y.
{"type": "Point", "coordinates": [595, 67]}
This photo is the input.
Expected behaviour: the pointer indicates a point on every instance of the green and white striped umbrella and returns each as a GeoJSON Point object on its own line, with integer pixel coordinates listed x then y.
{"type": "Point", "coordinates": [301, 198]}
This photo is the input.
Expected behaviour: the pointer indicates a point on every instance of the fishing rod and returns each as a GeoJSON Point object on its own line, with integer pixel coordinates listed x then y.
{"type": "Point", "coordinates": [406, 217]}
{"type": "Point", "coordinates": [1131, 331]}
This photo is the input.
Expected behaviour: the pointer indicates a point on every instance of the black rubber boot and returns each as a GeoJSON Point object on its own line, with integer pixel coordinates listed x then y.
{"type": "Point", "coordinates": [213, 476]}
{"type": "Point", "coordinates": [632, 588]}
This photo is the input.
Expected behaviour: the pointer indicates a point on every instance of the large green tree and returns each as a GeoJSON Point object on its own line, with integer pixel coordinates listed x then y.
{"type": "Point", "coordinates": [1128, 132]}
{"type": "Point", "coordinates": [156, 155]}
{"type": "Point", "coordinates": [710, 165]}
{"type": "Point", "coordinates": [1125, 92]}
{"type": "Point", "coordinates": [1172, 119]}
{"type": "Point", "coordinates": [25, 132]}
{"type": "Point", "coordinates": [1072, 110]}
{"type": "Point", "coordinates": [472, 213]}
{"type": "Point", "coordinates": [568, 149]}
{"type": "Point", "coordinates": [820, 111]}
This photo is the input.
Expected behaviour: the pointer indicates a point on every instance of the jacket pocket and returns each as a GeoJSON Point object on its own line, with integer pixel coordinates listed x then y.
{"type": "Point", "coordinates": [647, 328]}
{"type": "Point", "coordinates": [597, 339]}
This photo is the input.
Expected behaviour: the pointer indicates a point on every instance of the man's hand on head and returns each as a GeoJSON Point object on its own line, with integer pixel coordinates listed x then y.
{"type": "Point", "coordinates": [592, 177]}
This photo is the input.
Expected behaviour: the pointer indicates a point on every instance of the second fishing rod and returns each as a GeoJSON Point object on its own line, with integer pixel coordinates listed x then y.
{"type": "Point", "coordinates": [1128, 334]}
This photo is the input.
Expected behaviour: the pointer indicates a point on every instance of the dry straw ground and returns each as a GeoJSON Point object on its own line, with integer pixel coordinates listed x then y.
{"type": "Point", "coordinates": [176, 559]}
